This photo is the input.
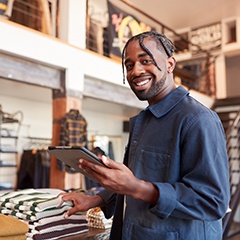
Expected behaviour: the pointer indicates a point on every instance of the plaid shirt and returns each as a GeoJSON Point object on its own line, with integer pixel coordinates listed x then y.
{"type": "Point", "coordinates": [73, 129]}
{"type": "Point", "coordinates": [73, 133]}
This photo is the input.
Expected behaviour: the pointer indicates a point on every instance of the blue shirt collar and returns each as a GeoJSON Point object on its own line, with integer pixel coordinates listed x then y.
{"type": "Point", "coordinates": [167, 103]}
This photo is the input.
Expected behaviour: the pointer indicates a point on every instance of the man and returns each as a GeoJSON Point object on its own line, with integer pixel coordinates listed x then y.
{"type": "Point", "coordinates": [174, 183]}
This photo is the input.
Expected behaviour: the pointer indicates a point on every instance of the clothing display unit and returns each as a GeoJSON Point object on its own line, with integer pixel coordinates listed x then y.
{"type": "Point", "coordinates": [9, 129]}
{"type": "Point", "coordinates": [34, 168]}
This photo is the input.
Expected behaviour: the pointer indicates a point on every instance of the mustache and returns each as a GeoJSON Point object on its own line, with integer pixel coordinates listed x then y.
{"type": "Point", "coordinates": [141, 76]}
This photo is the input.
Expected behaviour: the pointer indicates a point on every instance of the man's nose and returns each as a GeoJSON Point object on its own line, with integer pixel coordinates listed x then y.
{"type": "Point", "coordinates": [138, 69]}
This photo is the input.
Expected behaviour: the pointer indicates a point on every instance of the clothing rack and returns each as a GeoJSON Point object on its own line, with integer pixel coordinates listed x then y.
{"type": "Point", "coordinates": [37, 143]}
{"type": "Point", "coordinates": [34, 169]}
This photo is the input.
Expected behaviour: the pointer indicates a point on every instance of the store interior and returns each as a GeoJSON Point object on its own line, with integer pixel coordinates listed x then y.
{"type": "Point", "coordinates": [35, 107]}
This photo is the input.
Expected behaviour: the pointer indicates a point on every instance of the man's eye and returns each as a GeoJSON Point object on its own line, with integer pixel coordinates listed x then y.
{"type": "Point", "coordinates": [129, 67]}
{"type": "Point", "coordinates": [147, 61]}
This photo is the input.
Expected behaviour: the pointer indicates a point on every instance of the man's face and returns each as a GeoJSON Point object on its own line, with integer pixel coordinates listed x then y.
{"type": "Point", "coordinates": [144, 77]}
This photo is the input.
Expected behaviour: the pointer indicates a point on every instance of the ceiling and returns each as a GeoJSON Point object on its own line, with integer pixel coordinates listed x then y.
{"type": "Point", "coordinates": [180, 14]}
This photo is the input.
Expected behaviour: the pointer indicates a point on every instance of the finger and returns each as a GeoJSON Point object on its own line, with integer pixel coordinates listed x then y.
{"type": "Point", "coordinates": [111, 163]}
{"type": "Point", "coordinates": [106, 161]}
{"type": "Point", "coordinates": [61, 195]}
{"type": "Point", "coordinates": [61, 203]}
{"type": "Point", "coordinates": [89, 167]}
{"type": "Point", "coordinates": [86, 165]}
{"type": "Point", "coordinates": [70, 212]}
{"type": "Point", "coordinates": [68, 198]}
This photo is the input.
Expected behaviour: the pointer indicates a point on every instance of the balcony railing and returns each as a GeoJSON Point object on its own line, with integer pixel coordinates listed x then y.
{"type": "Point", "coordinates": [40, 15]}
{"type": "Point", "coordinates": [195, 73]}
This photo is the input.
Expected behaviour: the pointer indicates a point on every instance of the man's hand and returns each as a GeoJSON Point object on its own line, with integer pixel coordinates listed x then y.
{"type": "Point", "coordinates": [120, 179]}
{"type": "Point", "coordinates": [81, 202]}
{"type": "Point", "coordinates": [115, 177]}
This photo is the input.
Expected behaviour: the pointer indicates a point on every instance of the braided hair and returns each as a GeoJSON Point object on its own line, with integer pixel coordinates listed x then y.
{"type": "Point", "coordinates": [160, 39]}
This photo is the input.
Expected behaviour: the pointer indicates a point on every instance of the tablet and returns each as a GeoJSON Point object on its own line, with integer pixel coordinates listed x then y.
{"type": "Point", "coordinates": [70, 155]}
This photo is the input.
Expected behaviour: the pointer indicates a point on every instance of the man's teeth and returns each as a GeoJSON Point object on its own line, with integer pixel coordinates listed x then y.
{"type": "Point", "coordinates": [142, 83]}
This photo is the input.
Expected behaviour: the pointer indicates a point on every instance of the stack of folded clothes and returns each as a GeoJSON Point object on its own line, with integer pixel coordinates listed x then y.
{"type": "Point", "coordinates": [56, 227]}
{"type": "Point", "coordinates": [12, 228]}
{"type": "Point", "coordinates": [43, 214]}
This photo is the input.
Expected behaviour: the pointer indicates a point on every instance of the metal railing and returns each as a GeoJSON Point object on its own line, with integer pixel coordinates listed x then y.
{"type": "Point", "coordinates": [40, 15]}
{"type": "Point", "coordinates": [195, 73]}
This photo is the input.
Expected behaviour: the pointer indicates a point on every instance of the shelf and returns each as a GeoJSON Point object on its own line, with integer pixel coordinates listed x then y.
{"type": "Point", "coordinates": [2, 151]}
{"type": "Point", "coordinates": [8, 133]}
{"type": "Point", "coordinates": [9, 120]}
{"type": "Point", "coordinates": [9, 130]}
{"type": "Point", "coordinates": [15, 137]}
{"type": "Point", "coordinates": [6, 148]}
{"type": "Point", "coordinates": [7, 165]}
{"type": "Point", "coordinates": [6, 187]}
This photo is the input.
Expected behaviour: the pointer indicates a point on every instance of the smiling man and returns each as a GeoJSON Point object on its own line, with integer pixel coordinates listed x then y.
{"type": "Point", "coordinates": [174, 182]}
{"type": "Point", "coordinates": [148, 67]}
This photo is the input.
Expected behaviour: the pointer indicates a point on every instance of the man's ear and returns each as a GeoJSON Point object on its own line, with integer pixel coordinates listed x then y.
{"type": "Point", "coordinates": [171, 61]}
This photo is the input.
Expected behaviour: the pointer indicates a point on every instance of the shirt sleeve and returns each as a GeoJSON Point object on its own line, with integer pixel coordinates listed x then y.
{"type": "Point", "coordinates": [109, 199]}
{"type": "Point", "coordinates": [202, 192]}
{"type": "Point", "coordinates": [64, 140]}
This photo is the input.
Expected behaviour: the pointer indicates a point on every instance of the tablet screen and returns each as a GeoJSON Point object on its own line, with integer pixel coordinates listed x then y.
{"type": "Point", "coordinates": [70, 155]}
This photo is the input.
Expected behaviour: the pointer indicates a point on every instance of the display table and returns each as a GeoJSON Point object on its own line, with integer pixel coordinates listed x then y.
{"type": "Point", "coordinates": [89, 226]}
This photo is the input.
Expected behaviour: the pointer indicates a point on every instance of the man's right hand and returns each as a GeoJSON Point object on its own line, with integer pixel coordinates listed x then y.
{"type": "Point", "coordinates": [81, 202]}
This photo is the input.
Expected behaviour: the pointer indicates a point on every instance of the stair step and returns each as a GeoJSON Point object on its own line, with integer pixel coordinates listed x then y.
{"type": "Point", "coordinates": [225, 116]}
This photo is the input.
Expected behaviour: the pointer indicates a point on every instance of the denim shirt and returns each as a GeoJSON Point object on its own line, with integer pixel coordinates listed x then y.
{"type": "Point", "coordinates": [179, 145]}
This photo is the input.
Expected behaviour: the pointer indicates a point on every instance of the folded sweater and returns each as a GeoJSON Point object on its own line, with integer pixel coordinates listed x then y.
{"type": "Point", "coordinates": [17, 237]}
{"type": "Point", "coordinates": [11, 226]}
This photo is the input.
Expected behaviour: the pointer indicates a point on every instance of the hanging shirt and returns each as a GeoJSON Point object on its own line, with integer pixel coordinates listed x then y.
{"type": "Point", "coordinates": [73, 133]}
{"type": "Point", "coordinates": [73, 129]}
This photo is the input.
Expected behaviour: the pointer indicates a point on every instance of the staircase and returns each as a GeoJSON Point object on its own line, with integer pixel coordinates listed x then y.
{"type": "Point", "coordinates": [229, 113]}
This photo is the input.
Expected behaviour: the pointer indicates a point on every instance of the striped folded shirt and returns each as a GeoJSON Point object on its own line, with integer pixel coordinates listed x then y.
{"type": "Point", "coordinates": [57, 234]}
{"type": "Point", "coordinates": [33, 216]}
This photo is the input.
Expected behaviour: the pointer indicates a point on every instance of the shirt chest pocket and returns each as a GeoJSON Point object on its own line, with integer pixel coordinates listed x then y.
{"type": "Point", "coordinates": [152, 166]}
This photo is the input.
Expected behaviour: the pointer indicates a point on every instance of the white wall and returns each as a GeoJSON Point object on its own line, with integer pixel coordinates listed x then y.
{"type": "Point", "coordinates": [36, 106]}
{"type": "Point", "coordinates": [104, 118]}
{"type": "Point", "coordinates": [39, 47]}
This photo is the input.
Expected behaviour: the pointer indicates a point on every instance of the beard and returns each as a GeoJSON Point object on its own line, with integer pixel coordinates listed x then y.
{"type": "Point", "coordinates": [154, 90]}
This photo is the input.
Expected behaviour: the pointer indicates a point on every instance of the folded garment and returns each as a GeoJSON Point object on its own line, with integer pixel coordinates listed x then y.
{"type": "Point", "coordinates": [42, 214]}
{"type": "Point", "coordinates": [96, 223]}
{"type": "Point", "coordinates": [58, 227]}
{"type": "Point", "coordinates": [58, 234]}
{"type": "Point", "coordinates": [96, 219]}
{"type": "Point", "coordinates": [5, 211]}
{"type": "Point", "coordinates": [31, 200]}
{"type": "Point", "coordinates": [34, 216]}
{"type": "Point", "coordinates": [63, 222]}
{"type": "Point", "coordinates": [39, 204]}
{"type": "Point", "coordinates": [56, 218]}
{"type": "Point", "coordinates": [25, 197]}
{"type": "Point", "coordinates": [32, 205]}
{"type": "Point", "coordinates": [17, 237]}
{"type": "Point", "coordinates": [6, 196]}
{"type": "Point", "coordinates": [56, 224]}
{"type": "Point", "coordinates": [11, 226]}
